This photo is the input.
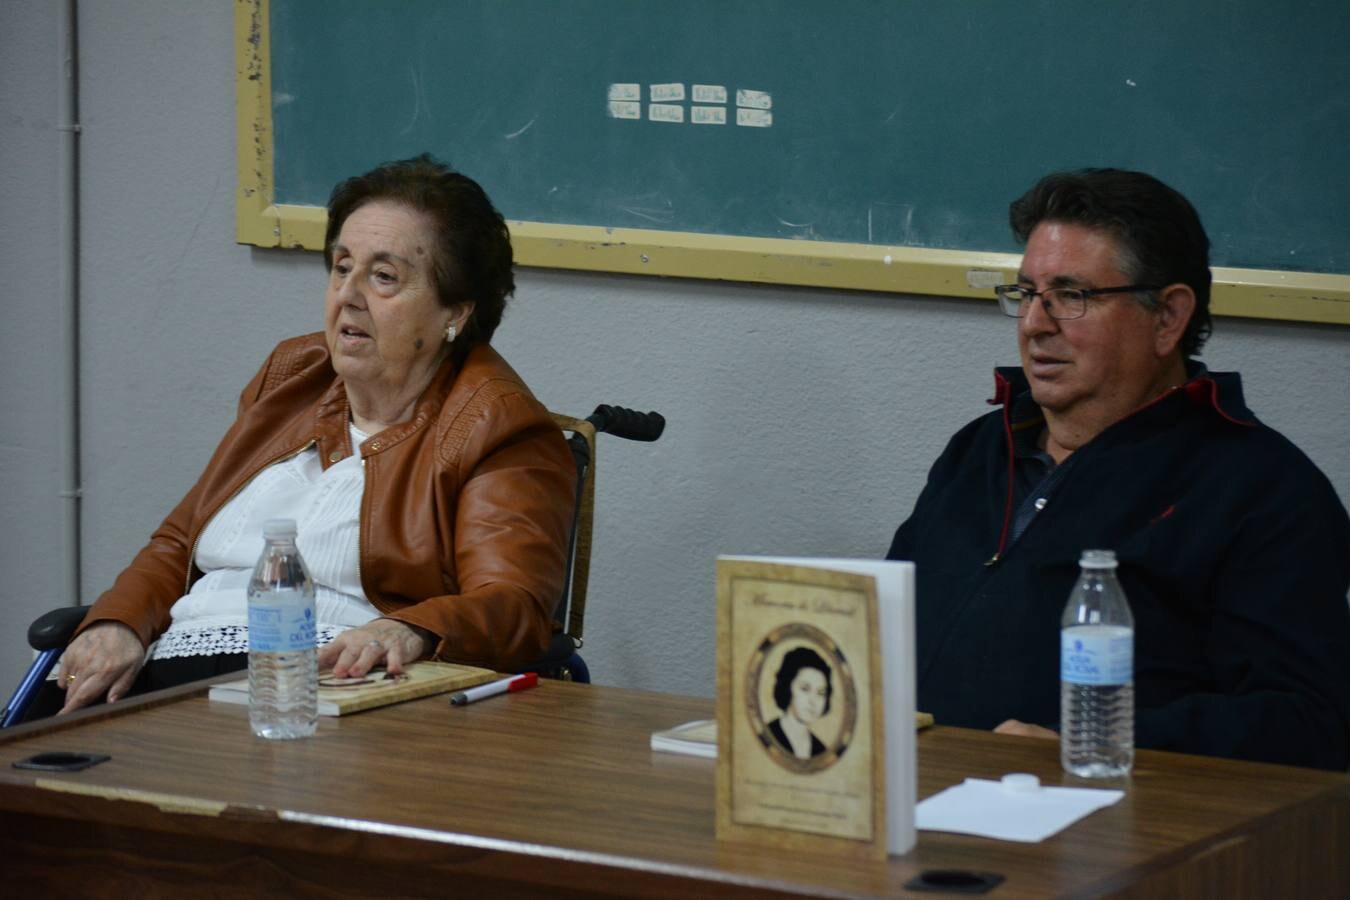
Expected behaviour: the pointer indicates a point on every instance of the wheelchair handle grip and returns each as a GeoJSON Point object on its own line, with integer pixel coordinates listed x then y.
{"type": "Point", "coordinates": [627, 423]}
{"type": "Point", "coordinates": [53, 629]}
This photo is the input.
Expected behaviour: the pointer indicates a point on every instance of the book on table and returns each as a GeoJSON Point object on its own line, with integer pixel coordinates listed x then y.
{"type": "Point", "coordinates": [341, 696]}
{"type": "Point", "coordinates": [699, 738]}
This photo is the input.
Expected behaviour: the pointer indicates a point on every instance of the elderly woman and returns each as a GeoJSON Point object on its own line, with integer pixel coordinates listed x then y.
{"type": "Point", "coordinates": [432, 491]}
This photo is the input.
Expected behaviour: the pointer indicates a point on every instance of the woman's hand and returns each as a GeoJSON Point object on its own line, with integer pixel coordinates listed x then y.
{"type": "Point", "coordinates": [1012, 726]}
{"type": "Point", "coordinates": [383, 641]}
{"type": "Point", "coordinates": [103, 659]}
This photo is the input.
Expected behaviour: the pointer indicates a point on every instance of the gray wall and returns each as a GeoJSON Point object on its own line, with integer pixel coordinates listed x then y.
{"type": "Point", "coordinates": [29, 477]}
{"type": "Point", "coordinates": [800, 421]}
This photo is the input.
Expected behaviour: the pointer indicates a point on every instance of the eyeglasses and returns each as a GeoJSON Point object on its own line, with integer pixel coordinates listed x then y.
{"type": "Point", "coordinates": [1058, 303]}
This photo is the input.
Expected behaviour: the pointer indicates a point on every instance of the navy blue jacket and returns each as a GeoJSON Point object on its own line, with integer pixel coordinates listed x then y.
{"type": "Point", "coordinates": [1234, 552]}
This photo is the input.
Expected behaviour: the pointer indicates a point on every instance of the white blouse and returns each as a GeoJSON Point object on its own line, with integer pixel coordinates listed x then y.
{"type": "Point", "coordinates": [212, 617]}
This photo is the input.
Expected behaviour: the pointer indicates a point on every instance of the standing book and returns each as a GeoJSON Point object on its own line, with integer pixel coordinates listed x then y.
{"type": "Point", "coordinates": [815, 704]}
{"type": "Point", "coordinates": [341, 696]}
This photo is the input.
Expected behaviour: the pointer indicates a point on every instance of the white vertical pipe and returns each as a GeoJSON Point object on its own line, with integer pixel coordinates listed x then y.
{"type": "Point", "coordinates": [68, 231]}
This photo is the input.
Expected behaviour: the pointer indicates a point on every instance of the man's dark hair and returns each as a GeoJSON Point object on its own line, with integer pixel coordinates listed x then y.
{"type": "Point", "coordinates": [1159, 232]}
{"type": "Point", "coordinates": [471, 259]}
{"type": "Point", "coordinates": [793, 662]}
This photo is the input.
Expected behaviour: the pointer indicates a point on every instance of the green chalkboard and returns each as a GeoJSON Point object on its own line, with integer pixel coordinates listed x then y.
{"type": "Point", "coordinates": [850, 144]}
{"type": "Point", "coordinates": [897, 123]}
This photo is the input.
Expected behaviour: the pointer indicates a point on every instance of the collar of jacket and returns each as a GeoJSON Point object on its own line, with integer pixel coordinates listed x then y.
{"type": "Point", "coordinates": [1219, 392]}
{"type": "Point", "coordinates": [332, 413]}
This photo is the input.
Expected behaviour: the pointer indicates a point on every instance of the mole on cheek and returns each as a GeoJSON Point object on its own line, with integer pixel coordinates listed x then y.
{"type": "Point", "coordinates": [418, 343]}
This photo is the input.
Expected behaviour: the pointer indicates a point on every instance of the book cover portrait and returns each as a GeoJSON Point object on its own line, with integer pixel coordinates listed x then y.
{"type": "Point", "coordinates": [800, 696]}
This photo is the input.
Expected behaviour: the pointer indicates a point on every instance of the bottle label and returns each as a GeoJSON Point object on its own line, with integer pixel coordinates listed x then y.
{"type": "Point", "coordinates": [1097, 655]}
{"type": "Point", "coordinates": [280, 622]}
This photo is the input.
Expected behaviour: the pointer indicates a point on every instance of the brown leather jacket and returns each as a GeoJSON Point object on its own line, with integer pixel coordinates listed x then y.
{"type": "Point", "coordinates": [464, 520]}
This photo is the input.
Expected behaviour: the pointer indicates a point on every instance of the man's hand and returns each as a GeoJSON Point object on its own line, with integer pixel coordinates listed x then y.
{"type": "Point", "coordinates": [1012, 726]}
{"type": "Point", "coordinates": [103, 659]}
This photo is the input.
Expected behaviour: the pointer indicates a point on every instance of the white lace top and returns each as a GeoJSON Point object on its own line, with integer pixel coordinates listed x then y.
{"type": "Point", "coordinates": [326, 505]}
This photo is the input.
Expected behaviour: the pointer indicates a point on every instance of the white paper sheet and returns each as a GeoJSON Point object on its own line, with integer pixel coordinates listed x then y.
{"type": "Point", "coordinates": [1012, 811]}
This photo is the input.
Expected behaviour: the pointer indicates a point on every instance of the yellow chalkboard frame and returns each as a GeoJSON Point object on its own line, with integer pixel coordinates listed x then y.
{"type": "Point", "coordinates": [1250, 293]}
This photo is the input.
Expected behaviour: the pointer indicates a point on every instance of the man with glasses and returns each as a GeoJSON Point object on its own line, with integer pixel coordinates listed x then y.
{"type": "Point", "coordinates": [1234, 549]}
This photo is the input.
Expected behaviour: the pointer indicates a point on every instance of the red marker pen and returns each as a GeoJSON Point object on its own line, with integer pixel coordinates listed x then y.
{"type": "Point", "coordinates": [493, 688]}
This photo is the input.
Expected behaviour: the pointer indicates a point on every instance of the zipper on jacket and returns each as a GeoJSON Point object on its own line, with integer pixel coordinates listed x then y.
{"type": "Point", "coordinates": [360, 532]}
{"type": "Point", "coordinates": [1007, 506]}
{"type": "Point", "coordinates": [187, 576]}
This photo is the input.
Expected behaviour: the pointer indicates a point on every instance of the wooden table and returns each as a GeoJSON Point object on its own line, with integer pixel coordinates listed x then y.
{"type": "Point", "coordinates": [555, 792]}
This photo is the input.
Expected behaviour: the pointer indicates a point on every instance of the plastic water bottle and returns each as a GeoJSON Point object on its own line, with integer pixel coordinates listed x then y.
{"type": "Point", "coordinates": [1096, 738]}
{"type": "Point", "coordinates": [283, 676]}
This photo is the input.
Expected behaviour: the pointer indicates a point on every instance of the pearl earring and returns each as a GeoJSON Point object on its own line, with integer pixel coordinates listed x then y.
{"type": "Point", "coordinates": [450, 333]}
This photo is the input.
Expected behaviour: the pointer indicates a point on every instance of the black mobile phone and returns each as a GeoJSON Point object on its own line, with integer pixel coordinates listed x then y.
{"type": "Point", "coordinates": [61, 761]}
{"type": "Point", "coordinates": [954, 881]}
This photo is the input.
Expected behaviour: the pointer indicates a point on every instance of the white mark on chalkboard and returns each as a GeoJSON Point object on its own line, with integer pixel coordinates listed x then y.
{"type": "Point", "coordinates": [515, 134]}
{"type": "Point", "coordinates": [890, 223]}
{"type": "Point", "coordinates": [708, 115]}
{"type": "Point", "coordinates": [796, 224]}
{"type": "Point", "coordinates": [665, 112]}
{"type": "Point", "coordinates": [663, 93]}
{"type": "Point", "coordinates": [623, 91]}
{"type": "Point", "coordinates": [1130, 82]}
{"type": "Point", "coordinates": [417, 101]}
{"type": "Point", "coordinates": [625, 109]}
{"type": "Point", "coordinates": [754, 99]}
{"type": "Point", "coordinates": [282, 99]}
{"type": "Point", "coordinates": [709, 93]}
{"type": "Point", "coordinates": [754, 118]}
{"type": "Point", "coordinates": [662, 212]}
